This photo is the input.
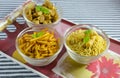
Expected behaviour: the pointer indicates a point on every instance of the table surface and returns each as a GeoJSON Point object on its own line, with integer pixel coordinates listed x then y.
{"type": "Point", "coordinates": [103, 13]}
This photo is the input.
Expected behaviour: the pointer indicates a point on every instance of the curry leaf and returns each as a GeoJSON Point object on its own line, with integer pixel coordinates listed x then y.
{"type": "Point", "coordinates": [37, 8]}
{"type": "Point", "coordinates": [40, 34]}
{"type": "Point", "coordinates": [35, 35]}
{"type": "Point", "coordinates": [42, 8]}
{"type": "Point", "coordinates": [87, 32]}
{"type": "Point", "coordinates": [87, 36]}
{"type": "Point", "coordinates": [86, 39]}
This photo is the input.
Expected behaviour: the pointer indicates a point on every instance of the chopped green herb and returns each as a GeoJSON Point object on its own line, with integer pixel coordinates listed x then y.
{"type": "Point", "coordinates": [37, 8]}
{"type": "Point", "coordinates": [86, 39]}
{"type": "Point", "coordinates": [37, 34]}
{"type": "Point", "coordinates": [42, 8]}
{"type": "Point", "coordinates": [40, 34]}
{"type": "Point", "coordinates": [87, 36]}
{"type": "Point", "coordinates": [34, 35]}
{"type": "Point", "coordinates": [87, 32]}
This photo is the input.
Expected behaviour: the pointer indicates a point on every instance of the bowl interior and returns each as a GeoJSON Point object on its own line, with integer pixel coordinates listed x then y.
{"type": "Point", "coordinates": [78, 57]}
{"type": "Point", "coordinates": [30, 23]}
{"type": "Point", "coordinates": [30, 30]}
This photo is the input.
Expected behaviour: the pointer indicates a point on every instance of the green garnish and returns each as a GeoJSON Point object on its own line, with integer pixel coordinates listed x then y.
{"type": "Point", "coordinates": [35, 35]}
{"type": "Point", "coordinates": [87, 32]}
{"type": "Point", "coordinates": [87, 36]}
{"type": "Point", "coordinates": [42, 8]}
{"type": "Point", "coordinates": [86, 39]}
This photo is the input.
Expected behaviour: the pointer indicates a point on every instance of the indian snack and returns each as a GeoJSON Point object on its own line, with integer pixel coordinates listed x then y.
{"type": "Point", "coordinates": [39, 44]}
{"type": "Point", "coordinates": [86, 42]}
{"type": "Point", "coordinates": [42, 14]}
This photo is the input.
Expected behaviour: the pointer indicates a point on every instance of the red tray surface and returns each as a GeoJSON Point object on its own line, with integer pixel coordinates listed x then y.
{"type": "Point", "coordinates": [8, 45]}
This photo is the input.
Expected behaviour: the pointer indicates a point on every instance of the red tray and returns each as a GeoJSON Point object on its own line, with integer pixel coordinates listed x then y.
{"type": "Point", "coordinates": [8, 46]}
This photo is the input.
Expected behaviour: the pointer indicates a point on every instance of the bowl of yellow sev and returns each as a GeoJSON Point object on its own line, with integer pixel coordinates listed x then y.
{"type": "Point", "coordinates": [86, 43]}
{"type": "Point", "coordinates": [44, 13]}
{"type": "Point", "coordinates": [38, 45]}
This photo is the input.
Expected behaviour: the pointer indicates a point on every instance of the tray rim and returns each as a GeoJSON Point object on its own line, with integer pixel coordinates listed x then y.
{"type": "Point", "coordinates": [38, 72]}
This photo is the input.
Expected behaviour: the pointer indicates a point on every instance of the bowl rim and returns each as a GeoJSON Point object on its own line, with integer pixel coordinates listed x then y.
{"type": "Point", "coordinates": [84, 26]}
{"type": "Point", "coordinates": [24, 31]}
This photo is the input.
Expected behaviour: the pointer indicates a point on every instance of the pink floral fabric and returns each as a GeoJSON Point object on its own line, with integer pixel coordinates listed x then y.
{"type": "Point", "coordinates": [104, 68]}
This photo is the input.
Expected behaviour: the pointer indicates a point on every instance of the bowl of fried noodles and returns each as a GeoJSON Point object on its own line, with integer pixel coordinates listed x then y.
{"type": "Point", "coordinates": [44, 13]}
{"type": "Point", "coordinates": [39, 45]}
{"type": "Point", "coordinates": [86, 43]}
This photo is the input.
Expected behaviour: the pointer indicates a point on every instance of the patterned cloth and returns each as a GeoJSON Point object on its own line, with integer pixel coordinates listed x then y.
{"type": "Point", "coordinates": [10, 68]}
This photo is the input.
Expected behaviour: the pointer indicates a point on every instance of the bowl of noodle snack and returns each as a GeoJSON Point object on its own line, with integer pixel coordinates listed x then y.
{"type": "Point", "coordinates": [86, 43]}
{"type": "Point", "coordinates": [39, 45]}
{"type": "Point", "coordinates": [43, 13]}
